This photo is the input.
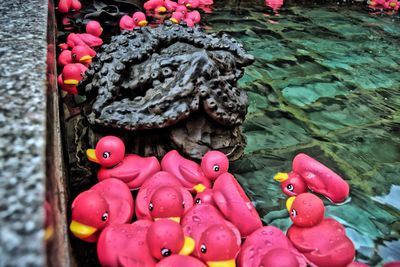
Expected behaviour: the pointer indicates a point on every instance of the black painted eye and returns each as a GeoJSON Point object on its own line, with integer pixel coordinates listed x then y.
{"type": "Point", "coordinates": [290, 187]}
{"type": "Point", "coordinates": [198, 200]}
{"type": "Point", "coordinates": [183, 204]}
{"type": "Point", "coordinates": [106, 155]}
{"type": "Point", "coordinates": [151, 206]}
{"type": "Point", "coordinates": [73, 56]}
{"type": "Point", "coordinates": [135, 19]}
{"type": "Point", "coordinates": [104, 217]}
{"type": "Point", "coordinates": [293, 213]}
{"type": "Point", "coordinates": [165, 252]}
{"type": "Point", "coordinates": [216, 168]}
{"type": "Point", "coordinates": [203, 248]}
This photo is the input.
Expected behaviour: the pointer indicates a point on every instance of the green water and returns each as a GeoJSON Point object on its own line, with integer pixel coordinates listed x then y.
{"type": "Point", "coordinates": [325, 82]}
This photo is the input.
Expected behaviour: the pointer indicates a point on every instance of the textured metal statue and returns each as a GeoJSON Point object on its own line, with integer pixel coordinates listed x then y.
{"type": "Point", "coordinates": [169, 87]}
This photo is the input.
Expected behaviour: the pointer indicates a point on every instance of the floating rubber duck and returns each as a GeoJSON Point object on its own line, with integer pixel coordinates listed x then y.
{"type": "Point", "coordinates": [199, 218]}
{"type": "Point", "coordinates": [107, 202]}
{"type": "Point", "coordinates": [83, 54]}
{"type": "Point", "coordinates": [84, 39]}
{"type": "Point", "coordinates": [125, 245]}
{"type": "Point", "coordinates": [170, 5]}
{"type": "Point", "coordinates": [166, 238]}
{"type": "Point", "coordinates": [218, 247]}
{"type": "Point", "coordinates": [151, 186]}
{"type": "Point", "coordinates": [157, 5]}
{"type": "Point", "coordinates": [316, 176]}
{"type": "Point", "coordinates": [214, 163]}
{"type": "Point", "coordinates": [234, 204]}
{"type": "Point", "coordinates": [64, 6]}
{"type": "Point", "coordinates": [180, 261]}
{"type": "Point", "coordinates": [138, 19]}
{"type": "Point", "coordinates": [167, 203]}
{"type": "Point", "coordinates": [94, 28]}
{"type": "Point", "coordinates": [192, 18]}
{"type": "Point", "coordinates": [334, 249]}
{"type": "Point", "coordinates": [179, 14]}
{"type": "Point", "coordinates": [272, 246]}
{"type": "Point", "coordinates": [129, 168]}
{"type": "Point", "coordinates": [188, 172]}
{"type": "Point", "coordinates": [71, 75]}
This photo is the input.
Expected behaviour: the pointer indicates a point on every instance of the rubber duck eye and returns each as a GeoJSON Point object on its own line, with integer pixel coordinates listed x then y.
{"type": "Point", "coordinates": [183, 204]}
{"type": "Point", "coordinates": [106, 155]}
{"type": "Point", "coordinates": [135, 19]}
{"type": "Point", "coordinates": [165, 252]}
{"type": "Point", "coordinates": [203, 249]}
{"type": "Point", "coordinates": [216, 168]}
{"type": "Point", "coordinates": [290, 187]}
{"type": "Point", "coordinates": [73, 56]}
{"type": "Point", "coordinates": [293, 213]}
{"type": "Point", "coordinates": [104, 217]}
{"type": "Point", "coordinates": [150, 206]}
{"type": "Point", "coordinates": [198, 200]}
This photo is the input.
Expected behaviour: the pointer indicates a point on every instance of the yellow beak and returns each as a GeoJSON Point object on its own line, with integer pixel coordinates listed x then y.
{"type": "Point", "coordinates": [85, 59]}
{"type": "Point", "coordinates": [48, 232]}
{"type": "Point", "coordinates": [175, 219]}
{"type": "Point", "coordinates": [227, 263]}
{"type": "Point", "coordinates": [289, 203]}
{"type": "Point", "coordinates": [91, 154]}
{"type": "Point", "coordinates": [188, 5]}
{"type": "Point", "coordinates": [71, 82]}
{"type": "Point", "coordinates": [174, 20]}
{"type": "Point", "coordinates": [281, 176]}
{"type": "Point", "coordinates": [142, 23]}
{"type": "Point", "coordinates": [81, 230]}
{"type": "Point", "coordinates": [161, 9]}
{"type": "Point", "coordinates": [199, 188]}
{"type": "Point", "coordinates": [188, 246]}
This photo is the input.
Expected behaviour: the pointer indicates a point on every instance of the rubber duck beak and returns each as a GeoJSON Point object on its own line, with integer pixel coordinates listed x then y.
{"type": "Point", "coordinates": [174, 20]}
{"type": "Point", "coordinates": [161, 9]}
{"type": "Point", "coordinates": [91, 154]}
{"type": "Point", "coordinates": [289, 203]}
{"type": "Point", "coordinates": [281, 177]}
{"type": "Point", "coordinates": [48, 233]}
{"type": "Point", "coordinates": [227, 263]}
{"type": "Point", "coordinates": [199, 188]}
{"type": "Point", "coordinates": [142, 23]}
{"type": "Point", "coordinates": [71, 82]}
{"type": "Point", "coordinates": [188, 5]}
{"type": "Point", "coordinates": [86, 59]}
{"type": "Point", "coordinates": [175, 219]}
{"type": "Point", "coordinates": [188, 246]}
{"type": "Point", "coordinates": [81, 230]}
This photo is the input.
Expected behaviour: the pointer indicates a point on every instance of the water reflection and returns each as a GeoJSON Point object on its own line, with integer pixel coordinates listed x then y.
{"type": "Point", "coordinates": [392, 199]}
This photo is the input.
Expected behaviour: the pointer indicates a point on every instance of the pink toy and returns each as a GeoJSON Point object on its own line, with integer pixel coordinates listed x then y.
{"type": "Point", "coordinates": [199, 218]}
{"type": "Point", "coordinates": [64, 6]}
{"type": "Point", "coordinates": [129, 168]}
{"type": "Point", "coordinates": [157, 5]}
{"type": "Point", "coordinates": [82, 54]}
{"type": "Point", "coordinates": [65, 58]}
{"type": "Point", "coordinates": [322, 241]}
{"type": "Point", "coordinates": [213, 163]}
{"type": "Point", "coordinates": [179, 14]}
{"type": "Point", "coordinates": [392, 5]}
{"type": "Point", "coordinates": [105, 203]}
{"type": "Point", "coordinates": [138, 19]}
{"type": "Point", "coordinates": [170, 5]}
{"type": "Point", "coordinates": [167, 203]}
{"type": "Point", "coordinates": [152, 185]}
{"type": "Point", "coordinates": [195, 3]}
{"type": "Point", "coordinates": [274, 4]}
{"type": "Point", "coordinates": [94, 28]}
{"type": "Point", "coordinates": [233, 202]}
{"type": "Point", "coordinates": [272, 246]}
{"type": "Point", "coordinates": [218, 246]}
{"type": "Point", "coordinates": [188, 172]}
{"type": "Point", "coordinates": [63, 46]}
{"type": "Point", "coordinates": [180, 261]}
{"type": "Point", "coordinates": [70, 77]}
{"type": "Point", "coordinates": [165, 238]}
{"type": "Point", "coordinates": [205, 197]}
{"type": "Point", "coordinates": [316, 176]}
{"type": "Point", "coordinates": [125, 245]}
{"type": "Point", "coordinates": [85, 39]}
{"type": "Point", "coordinates": [192, 18]}
{"type": "Point", "coordinates": [392, 264]}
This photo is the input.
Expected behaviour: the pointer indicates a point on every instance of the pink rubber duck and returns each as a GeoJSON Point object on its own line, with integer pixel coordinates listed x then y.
{"type": "Point", "coordinates": [82, 54]}
{"type": "Point", "coordinates": [94, 28]}
{"type": "Point", "coordinates": [65, 58]}
{"type": "Point", "coordinates": [188, 172]}
{"type": "Point", "coordinates": [166, 238]}
{"type": "Point", "coordinates": [192, 18]}
{"type": "Point", "coordinates": [179, 14]}
{"type": "Point", "coordinates": [234, 204]}
{"type": "Point", "coordinates": [170, 5]}
{"type": "Point", "coordinates": [129, 168]}
{"type": "Point", "coordinates": [64, 6]}
{"type": "Point", "coordinates": [190, 3]}
{"type": "Point", "coordinates": [180, 261]}
{"type": "Point", "coordinates": [199, 218]}
{"type": "Point", "coordinates": [272, 247]}
{"type": "Point", "coordinates": [157, 5]}
{"type": "Point", "coordinates": [316, 176]}
{"type": "Point", "coordinates": [84, 39]}
{"type": "Point", "coordinates": [71, 75]}
{"type": "Point", "coordinates": [125, 245]}
{"type": "Point", "coordinates": [322, 241]}
{"type": "Point", "coordinates": [138, 19]}
{"type": "Point", "coordinates": [107, 202]}
{"type": "Point", "coordinates": [162, 195]}
{"type": "Point", "coordinates": [391, 5]}
{"type": "Point", "coordinates": [218, 246]}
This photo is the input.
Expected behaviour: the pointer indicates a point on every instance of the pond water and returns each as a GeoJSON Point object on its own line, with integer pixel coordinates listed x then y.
{"type": "Point", "coordinates": [325, 82]}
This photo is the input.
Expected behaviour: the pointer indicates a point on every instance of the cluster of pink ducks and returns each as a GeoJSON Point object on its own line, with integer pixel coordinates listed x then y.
{"type": "Point", "coordinates": [190, 214]}
{"type": "Point", "coordinates": [182, 10]}
{"type": "Point", "coordinates": [388, 5]}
